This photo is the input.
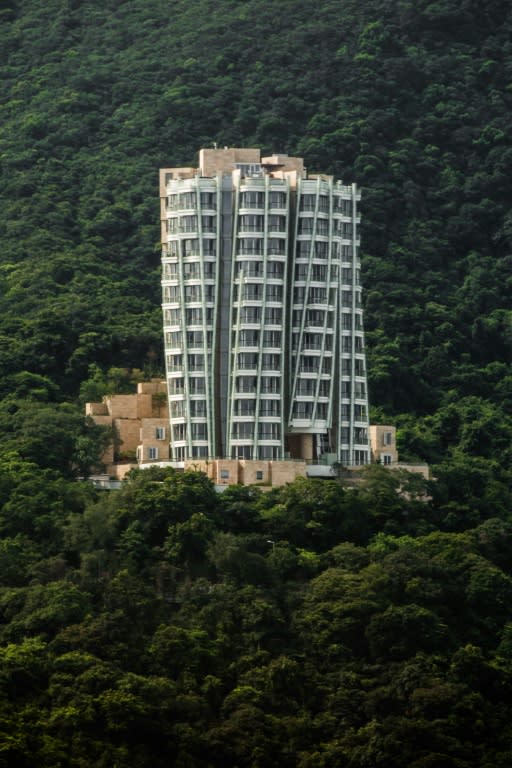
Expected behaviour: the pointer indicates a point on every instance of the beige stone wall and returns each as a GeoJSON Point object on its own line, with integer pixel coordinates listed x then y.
{"type": "Point", "coordinates": [282, 472]}
{"type": "Point", "coordinates": [214, 161]}
{"type": "Point", "coordinates": [379, 444]}
{"type": "Point", "coordinates": [127, 432]}
{"type": "Point", "coordinates": [96, 409]}
{"type": "Point", "coordinates": [250, 469]}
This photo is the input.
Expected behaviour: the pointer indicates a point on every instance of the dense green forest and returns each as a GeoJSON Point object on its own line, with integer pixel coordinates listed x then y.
{"type": "Point", "coordinates": [315, 625]}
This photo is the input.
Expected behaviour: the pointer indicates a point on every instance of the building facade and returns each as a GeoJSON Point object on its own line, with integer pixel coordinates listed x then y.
{"type": "Point", "coordinates": [263, 321]}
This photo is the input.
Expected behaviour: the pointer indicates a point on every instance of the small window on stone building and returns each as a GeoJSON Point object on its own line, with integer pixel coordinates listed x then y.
{"type": "Point", "coordinates": [152, 453]}
{"type": "Point", "coordinates": [259, 474]}
{"type": "Point", "coordinates": [160, 433]}
{"type": "Point", "coordinates": [387, 438]}
{"type": "Point", "coordinates": [224, 474]}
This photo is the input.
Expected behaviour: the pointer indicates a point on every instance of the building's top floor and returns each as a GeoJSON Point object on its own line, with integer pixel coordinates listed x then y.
{"type": "Point", "coordinates": [246, 162]}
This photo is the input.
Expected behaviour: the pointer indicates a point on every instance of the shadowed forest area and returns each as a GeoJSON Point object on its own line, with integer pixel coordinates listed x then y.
{"type": "Point", "coordinates": [314, 626]}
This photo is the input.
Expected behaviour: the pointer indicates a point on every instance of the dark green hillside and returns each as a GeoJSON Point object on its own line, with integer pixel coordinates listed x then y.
{"type": "Point", "coordinates": [164, 625]}
{"type": "Point", "coordinates": [313, 626]}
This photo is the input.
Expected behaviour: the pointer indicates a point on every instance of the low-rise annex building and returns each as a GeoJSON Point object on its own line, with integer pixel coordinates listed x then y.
{"type": "Point", "coordinates": [140, 427]}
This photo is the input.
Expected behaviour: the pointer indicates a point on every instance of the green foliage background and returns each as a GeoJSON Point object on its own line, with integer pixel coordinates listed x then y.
{"type": "Point", "coordinates": [158, 625]}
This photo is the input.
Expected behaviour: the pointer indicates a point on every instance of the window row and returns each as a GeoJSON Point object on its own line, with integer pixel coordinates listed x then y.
{"type": "Point", "coordinates": [256, 292]}
{"type": "Point", "coordinates": [251, 361]}
{"type": "Point", "coordinates": [249, 384]}
{"type": "Point", "coordinates": [190, 247]}
{"type": "Point", "coordinates": [256, 199]}
{"type": "Point", "coordinates": [247, 407]}
{"type": "Point", "coordinates": [192, 339]}
{"type": "Point", "coordinates": [195, 362]}
{"type": "Point", "coordinates": [360, 412]}
{"type": "Point", "coordinates": [192, 316]}
{"type": "Point", "coordinates": [252, 338]}
{"type": "Point", "coordinates": [253, 222]}
{"type": "Point", "coordinates": [198, 431]}
{"type": "Point", "coordinates": [191, 270]}
{"type": "Point", "coordinates": [197, 408]}
{"type": "Point", "coordinates": [190, 223]}
{"type": "Point", "coordinates": [255, 246]}
{"type": "Point", "coordinates": [244, 430]}
{"type": "Point", "coordinates": [360, 435]}
{"type": "Point", "coordinates": [188, 200]}
{"type": "Point", "coordinates": [172, 293]}
{"type": "Point", "coordinates": [268, 452]}
{"type": "Point", "coordinates": [253, 315]}
{"type": "Point", "coordinates": [274, 269]}
{"type": "Point", "coordinates": [309, 387]}
{"type": "Point", "coordinates": [196, 385]}
{"type": "Point", "coordinates": [307, 410]}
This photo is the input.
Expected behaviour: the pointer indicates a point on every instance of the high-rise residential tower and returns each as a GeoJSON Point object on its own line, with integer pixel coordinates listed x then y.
{"type": "Point", "coordinates": [263, 323]}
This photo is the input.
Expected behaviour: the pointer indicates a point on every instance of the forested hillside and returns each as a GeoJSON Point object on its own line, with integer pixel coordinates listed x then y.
{"type": "Point", "coordinates": [314, 626]}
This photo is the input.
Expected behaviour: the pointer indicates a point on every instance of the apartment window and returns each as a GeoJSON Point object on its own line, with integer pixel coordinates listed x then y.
{"type": "Point", "coordinates": [252, 292]}
{"type": "Point", "coordinates": [188, 200]}
{"type": "Point", "coordinates": [176, 386]}
{"type": "Point", "coordinates": [315, 317]}
{"type": "Point", "coordinates": [179, 453]}
{"type": "Point", "coordinates": [270, 362]}
{"type": "Point", "coordinates": [241, 452]}
{"type": "Point", "coordinates": [172, 249]}
{"type": "Point", "coordinates": [177, 409]}
{"type": "Point", "coordinates": [174, 363]}
{"type": "Point", "coordinates": [386, 459]}
{"type": "Point", "coordinates": [194, 316]}
{"type": "Point", "coordinates": [160, 433]}
{"type": "Point", "coordinates": [250, 246]}
{"type": "Point", "coordinates": [301, 271]}
{"type": "Point", "coordinates": [323, 204]}
{"type": "Point", "coordinates": [343, 205]}
{"type": "Point", "coordinates": [208, 200]}
{"type": "Point", "coordinates": [346, 367]}
{"type": "Point", "coordinates": [192, 293]}
{"type": "Point", "coordinates": [197, 385]}
{"type": "Point", "coordinates": [171, 293]}
{"type": "Point", "coordinates": [208, 224]}
{"type": "Point", "coordinates": [274, 292]}
{"type": "Point", "coordinates": [269, 431]}
{"type": "Point", "coordinates": [247, 360]}
{"type": "Point", "coordinates": [249, 169]}
{"type": "Point", "coordinates": [188, 224]}
{"type": "Point", "coordinates": [276, 223]}
{"type": "Point", "coordinates": [248, 338]}
{"type": "Point", "coordinates": [199, 451]}
{"type": "Point", "coordinates": [319, 272]}
{"type": "Point", "coordinates": [179, 432]}
{"type": "Point", "coordinates": [305, 226]}
{"type": "Point", "coordinates": [313, 341]}
{"type": "Point", "coordinates": [209, 248]}
{"type": "Point", "coordinates": [387, 438]}
{"type": "Point", "coordinates": [269, 384]}
{"type": "Point", "coordinates": [152, 453]}
{"type": "Point", "coordinates": [322, 227]}
{"type": "Point", "coordinates": [259, 474]}
{"type": "Point", "coordinates": [306, 387]}
{"type": "Point", "coordinates": [317, 296]}
{"type": "Point", "coordinates": [360, 435]}
{"type": "Point", "coordinates": [360, 457]}
{"type": "Point", "coordinates": [224, 474]}
{"type": "Point", "coordinates": [299, 294]}
{"type": "Point", "coordinates": [199, 431]}
{"type": "Point", "coordinates": [270, 407]}
{"type": "Point", "coordinates": [324, 388]}
{"type": "Point", "coordinates": [346, 298]}
{"type": "Point", "coordinates": [250, 268]}
{"type": "Point", "coordinates": [303, 249]}
{"type": "Point", "coordinates": [272, 339]}
{"type": "Point", "coordinates": [275, 269]}
{"type": "Point", "coordinates": [244, 407]}
{"type": "Point", "coordinates": [268, 452]}
{"type": "Point", "coordinates": [195, 362]}
{"type": "Point", "coordinates": [194, 339]}
{"type": "Point", "coordinates": [252, 199]}
{"type": "Point", "coordinates": [359, 367]}
{"type": "Point", "coordinates": [172, 202]}
{"type": "Point", "coordinates": [360, 413]}
{"type": "Point", "coordinates": [198, 407]}
{"type": "Point", "coordinates": [307, 203]}
{"type": "Point", "coordinates": [251, 222]}
{"type": "Point", "coordinates": [209, 270]}
{"type": "Point", "coordinates": [173, 339]}
{"type": "Point", "coordinates": [273, 315]}
{"type": "Point", "coordinates": [191, 247]}
{"type": "Point", "coordinates": [346, 275]}
{"type": "Point", "coordinates": [321, 411]}
{"type": "Point", "coordinates": [170, 270]}
{"type": "Point", "coordinates": [243, 430]}
{"type": "Point", "coordinates": [310, 364]}
{"type": "Point", "coordinates": [277, 199]}
{"type": "Point", "coordinates": [191, 270]}
{"type": "Point", "coordinates": [302, 410]}
{"type": "Point", "coordinates": [250, 315]}
{"type": "Point", "coordinates": [246, 384]}
{"type": "Point", "coordinates": [172, 226]}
